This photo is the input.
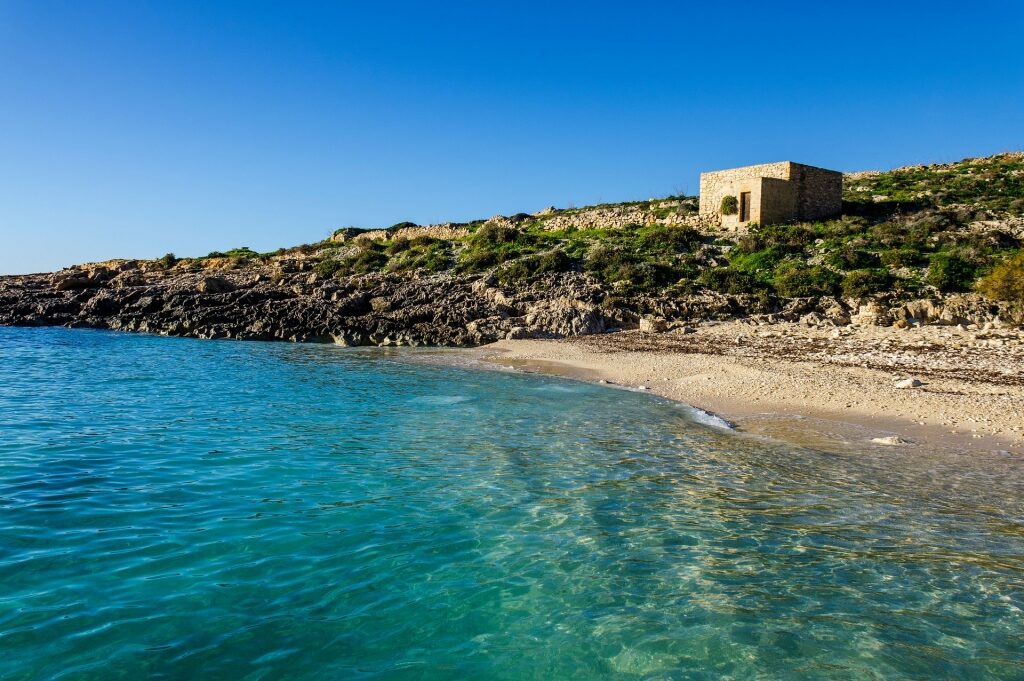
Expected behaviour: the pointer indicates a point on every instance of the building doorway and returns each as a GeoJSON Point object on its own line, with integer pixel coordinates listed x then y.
{"type": "Point", "coordinates": [744, 206]}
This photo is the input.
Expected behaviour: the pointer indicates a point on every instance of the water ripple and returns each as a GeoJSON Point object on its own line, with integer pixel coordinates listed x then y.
{"type": "Point", "coordinates": [173, 508]}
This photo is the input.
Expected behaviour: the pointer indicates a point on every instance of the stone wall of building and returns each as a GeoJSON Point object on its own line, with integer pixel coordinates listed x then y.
{"type": "Point", "coordinates": [778, 201]}
{"type": "Point", "coordinates": [779, 192]}
{"type": "Point", "coordinates": [714, 186]}
{"type": "Point", "coordinates": [820, 192]}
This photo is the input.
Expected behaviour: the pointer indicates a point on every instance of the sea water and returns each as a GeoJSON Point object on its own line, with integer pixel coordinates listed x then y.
{"type": "Point", "coordinates": [181, 509]}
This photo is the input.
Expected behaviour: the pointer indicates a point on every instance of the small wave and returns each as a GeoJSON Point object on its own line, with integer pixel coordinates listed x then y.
{"type": "Point", "coordinates": [441, 400]}
{"type": "Point", "coordinates": [709, 419]}
{"type": "Point", "coordinates": [557, 388]}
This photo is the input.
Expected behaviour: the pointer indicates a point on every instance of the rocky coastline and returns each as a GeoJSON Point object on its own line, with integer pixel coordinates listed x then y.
{"type": "Point", "coordinates": [294, 303]}
{"type": "Point", "coordinates": [915, 247]}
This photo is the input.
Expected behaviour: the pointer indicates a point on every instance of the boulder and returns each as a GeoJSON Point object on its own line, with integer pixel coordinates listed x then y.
{"type": "Point", "coordinates": [650, 324]}
{"type": "Point", "coordinates": [890, 440]}
{"type": "Point", "coordinates": [80, 279]}
{"type": "Point", "coordinates": [918, 312]}
{"type": "Point", "coordinates": [127, 278]}
{"type": "Point", "coordinates": [563, 317]}
{"type": "Point", "coordinates": [214, 285]}
{"type": "Point", "coordinates": [833, 311]}
{"type": "Point", "coordinates": [870, 314]}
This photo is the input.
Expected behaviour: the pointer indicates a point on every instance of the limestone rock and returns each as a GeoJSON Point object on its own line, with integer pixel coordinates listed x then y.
{"type": "Point", "coordinates": [649, 324]}
{"type": "Point", "coordinates": [870, 314]}
{"type": "Point", "coordinates": [215, 285]}
{"type": "Point", "coordinates": [564, 317]}
{"type": "Point", "coordinates": [890, 440]}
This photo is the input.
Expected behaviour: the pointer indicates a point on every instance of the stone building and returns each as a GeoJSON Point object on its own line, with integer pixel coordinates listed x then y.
{"type": "Point", "coordinates": [770, 193]}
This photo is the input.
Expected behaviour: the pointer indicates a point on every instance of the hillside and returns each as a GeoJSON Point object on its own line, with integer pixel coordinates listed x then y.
{"type": "Point", "coordinates": [915, 245]}
{"type": "Point", "coordinates": [913, 232]}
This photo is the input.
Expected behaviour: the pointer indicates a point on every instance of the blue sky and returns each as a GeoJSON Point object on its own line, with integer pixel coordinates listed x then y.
{"type": "Point", "coordinates": [130, 129]}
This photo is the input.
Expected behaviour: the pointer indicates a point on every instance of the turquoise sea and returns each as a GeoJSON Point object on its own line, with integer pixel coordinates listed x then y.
{"type": "Point", "coordinates": [181, 509]}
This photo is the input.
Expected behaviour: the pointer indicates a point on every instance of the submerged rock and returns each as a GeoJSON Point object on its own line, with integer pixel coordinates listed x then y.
{"type": "Point", "coordinates": [890, 440]}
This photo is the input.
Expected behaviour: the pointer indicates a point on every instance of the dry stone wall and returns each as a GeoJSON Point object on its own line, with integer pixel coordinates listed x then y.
{"type": "Point", "coordinates": [445, 230]}
{"type": "Point", "coordinates": [678, 213]}
{"type": "Point", "coordinates": [617, 217]}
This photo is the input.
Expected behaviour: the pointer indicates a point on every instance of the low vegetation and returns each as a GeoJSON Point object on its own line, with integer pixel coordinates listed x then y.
{"type": "Point", "coordinates": [729, 205]}
{"type": "Point", "coordinates": [909, 232]}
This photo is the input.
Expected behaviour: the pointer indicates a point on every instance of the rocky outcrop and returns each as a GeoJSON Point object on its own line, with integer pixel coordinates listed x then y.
{"type": "Point", "coordinates": [564, 316]}
{"type": "Point", "coordinates": [288, 301]}
{"type": "Point", "coordinates": [376, 309]}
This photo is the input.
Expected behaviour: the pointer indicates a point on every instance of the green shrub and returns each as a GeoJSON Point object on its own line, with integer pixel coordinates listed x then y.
{"type": "Point", "coordinates": [728, 280]}
{"type": "Point", "coordinates": [477, 260]}
{"type": "Point", "coordinates": [609, 263]}
{"type": "Point", "coordinates": [851, 256]}
{"type": "Point", "coordinates": [913, 236]}
{"type": "Point", "coordinates": [796, 280]}
{"type": "Point", "coordinates": [494, 244]}
{"type": "Point", "coordinates": [730, 205]}
{"type": "Point", "coordinates": [554, 260]}
{"type": "Point", "coordinates": [533, 265]}
{"type": "Point", "coordinates": [517, 270]}
{"type": "Point", "coordinates": [668, 239]}
{"type": "Point", "coordinates": [242, 252]}
{"type": "Point", "coordinates": [431, 255]}
{"type": "Point", "coordinates": [422, 240]}
{"type": "Point", "coordinates": [759, 264]}
{"type": "Point", "coordinates": [491, 234]}
{"type": "Point", "coordinates": [167, 261]}
{"type": "Point", "coordinates": [789, 238]}
{"type": "Point", "coordinates": [397, 245]}
{"type": "Point", "coordinates": [327, 268]}
{"type": "Point", "coordinates": [627, 269]}
{"type": "Point", "coordinates": [989, 241]}
{"type": "Point", "coordinates": [368, 260]}
{"type": "Point", "coordinates": [862, 283]}
{"type": "Point", "coordinates": [950, 273]}
{"type": "Point", "coordinates": [1006, 281]}
{"type": "Point", "coordinates": [900, 257]}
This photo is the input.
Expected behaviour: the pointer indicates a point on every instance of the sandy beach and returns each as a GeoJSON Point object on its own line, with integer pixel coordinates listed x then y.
{"type": "Point", "coordinates": [820, 386]}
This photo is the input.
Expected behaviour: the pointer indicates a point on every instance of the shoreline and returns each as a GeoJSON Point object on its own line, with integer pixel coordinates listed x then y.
{"type": "Point", "coordinates": [796, 396]}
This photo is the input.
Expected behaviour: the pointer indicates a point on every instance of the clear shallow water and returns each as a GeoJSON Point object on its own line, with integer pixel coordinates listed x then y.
{"type": "Point", "coordinates": [185, 509]}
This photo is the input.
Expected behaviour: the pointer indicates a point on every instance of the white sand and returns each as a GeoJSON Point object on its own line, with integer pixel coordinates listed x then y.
{"type": "Point", "coordinates": [972, 395]}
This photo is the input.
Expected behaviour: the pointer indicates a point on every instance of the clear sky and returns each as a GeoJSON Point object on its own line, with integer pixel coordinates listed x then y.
{"type": "Point", "coordinates": [130, 129]}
